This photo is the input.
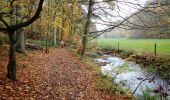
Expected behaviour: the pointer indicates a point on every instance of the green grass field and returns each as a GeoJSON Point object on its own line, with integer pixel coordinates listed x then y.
{"type": "Point", "coordinates": [138, 45]}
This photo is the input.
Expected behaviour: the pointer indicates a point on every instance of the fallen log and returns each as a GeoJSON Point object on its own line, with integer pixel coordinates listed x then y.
{"type": "Point", "coordinates": [33, 46]}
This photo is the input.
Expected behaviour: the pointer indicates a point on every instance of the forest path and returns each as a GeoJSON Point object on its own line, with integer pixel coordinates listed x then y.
{"type": "Point", "coordinates": [58, 75]}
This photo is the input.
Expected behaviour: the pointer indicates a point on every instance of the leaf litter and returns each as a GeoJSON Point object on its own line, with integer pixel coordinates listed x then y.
{"type": "Point", "coordinates": [58, 75]}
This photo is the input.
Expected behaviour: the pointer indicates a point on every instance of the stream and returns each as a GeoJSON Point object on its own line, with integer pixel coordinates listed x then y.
{"type": "Point", "coordinates": [133, 76]}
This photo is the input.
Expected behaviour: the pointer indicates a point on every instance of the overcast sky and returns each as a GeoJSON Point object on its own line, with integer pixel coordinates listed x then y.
{"type": "Point", "coordinates": [123, 9]}
{"type": "Point", "coordinates": [127, 7]}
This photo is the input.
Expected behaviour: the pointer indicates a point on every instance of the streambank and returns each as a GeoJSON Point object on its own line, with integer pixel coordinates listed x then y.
{"type": "Point", "coordinates": [159, 65]}
{"type": "Point", "coordinates": [133, 77]}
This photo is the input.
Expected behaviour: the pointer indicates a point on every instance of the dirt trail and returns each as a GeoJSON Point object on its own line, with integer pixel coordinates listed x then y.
{"type": "Point", "coordinates": [58, 75]}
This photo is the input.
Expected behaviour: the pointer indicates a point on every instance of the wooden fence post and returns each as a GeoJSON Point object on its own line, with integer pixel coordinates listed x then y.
{"type": "Point", "coordinates": [155, 49]}
{"type": "Point", "coordinates": [118, 47]}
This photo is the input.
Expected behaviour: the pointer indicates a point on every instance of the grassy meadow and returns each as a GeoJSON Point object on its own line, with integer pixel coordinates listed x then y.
{"type": "Point", "coordinates": [137, 45]}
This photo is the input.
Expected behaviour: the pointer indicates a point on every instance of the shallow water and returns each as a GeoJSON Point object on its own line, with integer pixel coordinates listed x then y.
{"type": "Point", "coordinates": [133, 76]}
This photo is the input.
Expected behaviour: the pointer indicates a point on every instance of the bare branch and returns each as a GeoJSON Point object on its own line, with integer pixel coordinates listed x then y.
{"type": "Point", "coordinates": [35, 17]}
{"type": "Point", "coordinates": [5, 23]}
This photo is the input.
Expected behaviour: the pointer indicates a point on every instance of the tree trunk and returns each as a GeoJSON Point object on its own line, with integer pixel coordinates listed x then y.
{"type": "Point", "coordinates": [12, 57]}
{"type": "Point", "coordinates": [145, 33]}
{"type": "Point", "coordinates": [20, 41]}
{"type": "Point", "coordinates": [47, 42]}
{"type": "Point", "coordinates": [84, 41]}
{"type": "Point", "coordinates": [46, 49]}
{"type": "Point", "coordinates": [62, 30]}
{"type": "Point", "coordinates": [86, 29]}
{"type": "Point", "coordinates": [10, 29]}
{"type": "Point", "coordinates": [71, 20]}
{"type": "Point", "coordinates": [63, 24]}
{"type": "Point", "coordinates": [55, 36]}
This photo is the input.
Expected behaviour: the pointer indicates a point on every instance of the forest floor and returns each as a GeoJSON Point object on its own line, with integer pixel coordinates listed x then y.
{"type": "Point", "coordinates": [59, 75]}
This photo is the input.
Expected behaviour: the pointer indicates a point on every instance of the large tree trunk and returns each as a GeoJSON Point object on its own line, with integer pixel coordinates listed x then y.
{"type": "Point", "coordinates": [84, 46]}
{"type": "Point", "coordinates": [86, 29]}
{"type": "Point", "coordinates": [12, 57]}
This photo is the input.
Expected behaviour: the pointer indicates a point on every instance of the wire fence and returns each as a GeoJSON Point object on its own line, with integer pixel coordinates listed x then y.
{"type": "Point", "coordinates": [154, 48]}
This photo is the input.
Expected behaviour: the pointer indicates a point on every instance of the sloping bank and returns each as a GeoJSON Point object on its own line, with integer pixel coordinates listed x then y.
{"type": "Point", "coordinates": [149, 73]}
{"type": "Point", "coordinates": [160, 65]}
